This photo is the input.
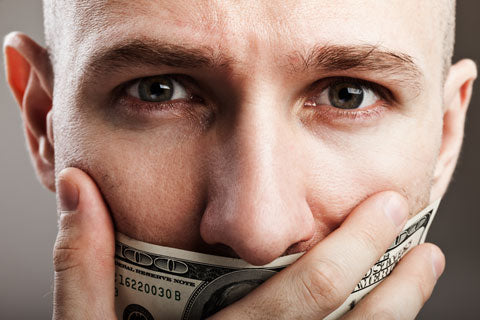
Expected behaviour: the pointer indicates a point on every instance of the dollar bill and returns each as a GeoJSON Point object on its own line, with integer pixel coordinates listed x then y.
{"type": "Point", "coordinates": [155, 282]}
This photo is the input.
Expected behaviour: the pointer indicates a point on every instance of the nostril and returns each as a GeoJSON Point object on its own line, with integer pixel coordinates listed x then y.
{"type": "Point", "coordinates": [237, 240]}
{"type": "Point", "coordinates": [218, 249]}
{"type": "Point", "coordinates": [254, 222]}
{"type": "Point", "coordinates": [258, 255]}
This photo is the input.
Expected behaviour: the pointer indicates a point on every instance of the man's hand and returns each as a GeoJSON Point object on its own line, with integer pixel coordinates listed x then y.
{"type": "Point", "coordinates": [323, 278]}
{"type": "Point", "coordinates": [311, 288]}
{"type": "Point", "coordinates": [84, 251]}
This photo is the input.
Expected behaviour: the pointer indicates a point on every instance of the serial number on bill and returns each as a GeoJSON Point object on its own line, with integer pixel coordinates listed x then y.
{"type": "Point", "coordinates": [147, 288]}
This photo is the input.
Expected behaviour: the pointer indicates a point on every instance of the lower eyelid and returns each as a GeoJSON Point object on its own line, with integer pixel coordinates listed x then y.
{"type": "Point", "coordinates": [134, 106]}
{"type": "Point", "coordinates": [323, 114]}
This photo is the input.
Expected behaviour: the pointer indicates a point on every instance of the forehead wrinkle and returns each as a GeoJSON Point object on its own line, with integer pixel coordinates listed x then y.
{"type": "Point", "coordinates": [194, 13]}
{"type": "Point", "coordinates": [109, 19]}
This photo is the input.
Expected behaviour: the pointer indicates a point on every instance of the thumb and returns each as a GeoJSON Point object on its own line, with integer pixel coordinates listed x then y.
{"type": "Point", "coordinates": [83, 255]}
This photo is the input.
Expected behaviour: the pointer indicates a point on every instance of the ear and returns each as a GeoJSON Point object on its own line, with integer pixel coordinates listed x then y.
{"type": "Point", "coordinates": [457, 94]}
{"type": "Point", "coordinates": [29, 75]}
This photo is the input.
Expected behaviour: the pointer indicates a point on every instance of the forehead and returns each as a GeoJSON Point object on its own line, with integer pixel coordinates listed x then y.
{"type": "Point", "coordinates": [341, 20]}
{"type": "Point", "coordinates": [247, 28]}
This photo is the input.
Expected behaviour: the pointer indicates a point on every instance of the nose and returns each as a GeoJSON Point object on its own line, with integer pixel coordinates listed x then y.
{"type": "Point", "coordinates": [257, 204]}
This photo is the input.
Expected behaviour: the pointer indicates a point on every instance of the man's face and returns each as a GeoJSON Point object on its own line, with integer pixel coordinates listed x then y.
{"type": "Point", "coordinates": [284, 115]}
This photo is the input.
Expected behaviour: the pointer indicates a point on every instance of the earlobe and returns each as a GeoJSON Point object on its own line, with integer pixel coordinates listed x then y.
{"type": "Point", "coordinates": [457, 94]}
{"type": "Point", "coordinates": [29, 76]}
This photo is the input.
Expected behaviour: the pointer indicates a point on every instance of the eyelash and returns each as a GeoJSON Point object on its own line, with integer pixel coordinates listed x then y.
{"type": "Point", "coordinates": [135, 105]}
{"type": "Point", "coordinates": [364, 84]}
{"type": "Point", "coordinates": [328, 113]}
{"type": "Point", "coordinates": [332, 114]}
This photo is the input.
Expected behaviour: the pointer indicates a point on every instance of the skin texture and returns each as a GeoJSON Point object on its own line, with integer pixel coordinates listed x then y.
{"type": "Point", "coordinates": [253, 170]}
{"type": "Point", "coordinates": [232, 182]}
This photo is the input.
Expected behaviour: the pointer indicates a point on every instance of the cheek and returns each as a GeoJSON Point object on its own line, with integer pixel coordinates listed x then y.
{"type": "Point", "coordinates": [355, 166]}
{"type": "Point", "coordinates": [150, 180]}
{"type": "Point", "coordinates": [153, 195]}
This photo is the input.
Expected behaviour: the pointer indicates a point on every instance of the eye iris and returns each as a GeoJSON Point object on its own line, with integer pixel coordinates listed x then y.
{"type": "Point", "coordinates": [155, 89]}
{"type": "Point", "coordinates": [345, 96]}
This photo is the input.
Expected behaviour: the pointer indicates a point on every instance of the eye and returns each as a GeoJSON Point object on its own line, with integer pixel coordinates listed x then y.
{"type": "Point", "coordinates": [157, 89]}
{"type": "Point", "coordinates": [347, 94]}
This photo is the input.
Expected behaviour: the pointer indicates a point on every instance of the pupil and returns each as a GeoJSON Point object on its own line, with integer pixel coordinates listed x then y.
{"type": "Point", "coordinates": [156, 89]}
{"type": "Point", "coordinates": [346, 96]}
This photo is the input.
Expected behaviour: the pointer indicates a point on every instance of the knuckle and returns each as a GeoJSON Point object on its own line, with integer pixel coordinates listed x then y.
{"type": "Point", "coordinates": [323, 285]}
{"type": "Point", "coordinates": [65, 255]}
{"type": "Point", "coordinates": [370, 241]}
{"type": "Point", "coordinates": [422, 289]}
{"type": "Point", "coordinates": [68, 221]}
{"type": "Point", "coordinates": [65, 259]}
{"type": "Point", "coordinates": [421, 280]}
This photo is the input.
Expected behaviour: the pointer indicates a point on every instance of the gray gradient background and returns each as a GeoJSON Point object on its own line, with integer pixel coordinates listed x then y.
{"type": "Point", "coordinates": [28, 216]}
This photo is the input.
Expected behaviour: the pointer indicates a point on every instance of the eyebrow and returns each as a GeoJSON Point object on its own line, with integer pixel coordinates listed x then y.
{"type": "Point", "coordinates": [153, 53]}
{"type": "Point", "coordinates": [322, 59]}
{"type": "Point", "coordinates": [362, 58]}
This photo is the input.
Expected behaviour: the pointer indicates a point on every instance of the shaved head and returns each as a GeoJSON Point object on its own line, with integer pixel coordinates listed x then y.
{"type": "Point", "coordinates": [447, 24]}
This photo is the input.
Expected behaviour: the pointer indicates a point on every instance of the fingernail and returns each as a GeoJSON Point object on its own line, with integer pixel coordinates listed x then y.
{"type": "Point", "coordinates": [68, 195]}
{"type": "Point", "coordinates": [396, 209]}
{"type": "Point", "coordinates": [437, 263]}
